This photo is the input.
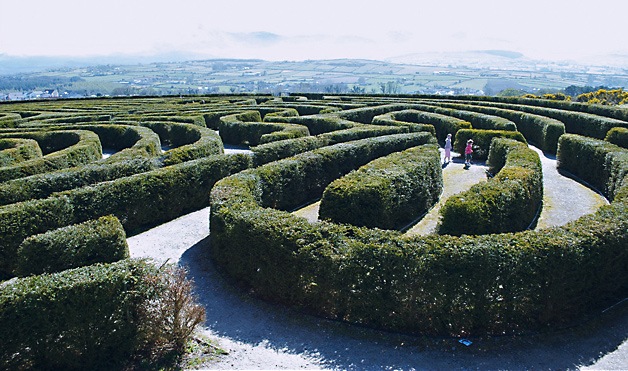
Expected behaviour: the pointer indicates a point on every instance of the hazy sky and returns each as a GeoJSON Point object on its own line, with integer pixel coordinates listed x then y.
{"type": "Point", "coordinates": [321, 29]}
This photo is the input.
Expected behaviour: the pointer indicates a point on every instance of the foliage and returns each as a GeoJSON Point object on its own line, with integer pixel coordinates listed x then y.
{"type": "Point", "coordinates": [388, 192]}
{"type": "Point", "coordinates": [61, 149]}
{"type": "Point", "coordinates": [618, 136]}
{"type": "Point", "coordinates": [509, 202]}
{"type": "Point", "coordinates": [604, 97]}
{"type": "Point", "coordinates": [482, 140]}
{"type": "Point", "coordinates": [127, 314]}
{"type": "Point", "coordinates": [527, 280]}
{"type": "Point", "coordinates": [602, 164]}
{"type": "Point", "coordinates": [96, 241]}
{"type": "Point", "coordinates": [15, 150]}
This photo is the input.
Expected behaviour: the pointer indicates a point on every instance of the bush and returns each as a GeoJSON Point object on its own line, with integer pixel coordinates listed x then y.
{"type": "Point", "coordinates": [507, 203]}
{"type": "Point", "coordinates": [388, 192]}
{"type": "Point", "coordinates": [618, 136]}
{"type": "Point", "coordinates": [26, 219]}
{"type": "Point", "coordinates": [96, 241]}
{"type": "Point", "coordinates": [124, 315]}
{"type": "Point", "coordinates": [147, 199]}
{"type": "Point", "coordinates": [482, 140]}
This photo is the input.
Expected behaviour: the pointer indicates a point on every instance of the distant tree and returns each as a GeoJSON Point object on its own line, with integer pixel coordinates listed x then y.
{"type": "Point", "coordinates": [390, 87]}
{"type": "Point", "coordinates": [357, 90]}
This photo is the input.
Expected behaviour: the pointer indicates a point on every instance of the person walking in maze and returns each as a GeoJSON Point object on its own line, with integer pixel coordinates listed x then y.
{"type": "Point", "coordinates": [448, 149]}
{"type": "Point", "coordinates": [468, 153]}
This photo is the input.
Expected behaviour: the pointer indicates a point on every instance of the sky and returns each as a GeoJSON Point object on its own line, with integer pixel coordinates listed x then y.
{"type": "Point", "coordinates": [322, 29]}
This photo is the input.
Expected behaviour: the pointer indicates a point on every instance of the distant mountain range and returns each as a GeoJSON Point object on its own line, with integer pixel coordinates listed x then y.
{"type": "Point", "coordinates": [499, 59]}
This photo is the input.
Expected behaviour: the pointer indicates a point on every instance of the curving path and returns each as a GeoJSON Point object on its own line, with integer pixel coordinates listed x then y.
{"type": "Point", "coordinates": [260, 335]}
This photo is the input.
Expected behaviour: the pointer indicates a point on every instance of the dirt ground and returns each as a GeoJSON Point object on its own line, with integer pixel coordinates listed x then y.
{"type": "Point", "coordinates": [259, 335]}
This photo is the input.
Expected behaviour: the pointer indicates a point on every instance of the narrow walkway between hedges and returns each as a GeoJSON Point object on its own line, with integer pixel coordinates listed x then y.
{"type": "Point", "coordinates": [564, 199]}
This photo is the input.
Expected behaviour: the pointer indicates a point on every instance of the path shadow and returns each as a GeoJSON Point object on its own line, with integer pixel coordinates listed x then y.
{"type": "Point", "coordinates": [234, 314]}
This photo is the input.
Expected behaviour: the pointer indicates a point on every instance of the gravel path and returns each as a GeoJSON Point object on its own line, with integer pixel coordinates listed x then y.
{"type": "Point", "coordinates": [259, 335]}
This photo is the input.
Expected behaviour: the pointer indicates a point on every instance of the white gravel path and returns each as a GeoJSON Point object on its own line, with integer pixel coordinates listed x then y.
{"type": "Point", "coordinates": [259, 335]}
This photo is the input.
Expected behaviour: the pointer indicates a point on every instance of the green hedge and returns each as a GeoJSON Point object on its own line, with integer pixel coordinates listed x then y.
{"type": "Point", "coordinates": [43, 185]}
{"type": "Point", "coordinates": [16, 150]}
{"type": "Point", "coordinates": [482, 140]}
{"type": "Point", "coordinates": [274, 151]}
{"type": "Point", "coordinates": [618, 136]}
{"type": "Point", "coordinates": [139, 201]}
{"type": "Point", "coordinates": [62, 149]}
{"type": "Point", "coordinates": [388, 192]}
{"type": "Point", "coordinates": [600, 163]}
{"type": "Point", "coordinates": [96, 241]}
{"type": "Point", "coordinates": [470, 285]}
{"type": "Point", "coordinates": [83, 318]}
{"type": "Point", "coordinates": [575, 122]}
{"type": "Point", "coordinates": [248, 128]}
{"type": "Point", "coordinates": [9, 120]}
{"type": "Point", "coordinates": [442, 124]}
{"type": "Point", "coordinates": [189, 141]}
{"type": "Point", "coordinates": [26, 219]}
{"type": "Point", "coordinates": [540, 130]}
{"type": "Point", "coordinates": [507, 203]}
{"type": "Point", "coordinates": [130, 141]}
{"type": "Point", "coordinates": [318, 124]}
{"type": "Point", "coordinates": [477, 120]}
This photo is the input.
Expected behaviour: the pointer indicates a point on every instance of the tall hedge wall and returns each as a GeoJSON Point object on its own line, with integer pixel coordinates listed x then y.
{"type": "Point", "coordinates": [43, 185]}
{"type": "Point", "coordinates": [540, 130]}
{"type": "Point", "coordinates": [248, 128]}
{"type": "Point", "coordinates": [388, 192]}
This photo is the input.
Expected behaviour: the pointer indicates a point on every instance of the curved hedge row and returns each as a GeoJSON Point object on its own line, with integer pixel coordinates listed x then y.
{"type": "Point", "coordinates": [482, 140]}
{"type": "Point", "coordinates": [618, 136]}
{"type": "Point", "coordinates": [509, 202]}
{"type": "Point", "coordinates": [16, 150]}
{"type": "Point", "coordinates": [96, 241]}
{"type": "Point", "coordinates": [540, 130]}
{"type": "Point", "coordinates": [189, 141]}
{"type": "Point", "coordinates": [43, 185]}
{"type": "Point", "coordinates": [527, 280]}
{"type": "Point", "coordinates": [601, 164]}
{"type": "Point", "coordinates": [62, 149]}
{"type": "Point", "coordinates": [575, 122]}
{"type": "Point", "coordinates": [274, 151]}
{"type": "Point", "coordinates": [388, 192]}
{"type": "Point", "coordinates": [248, 128]}
{"type": "Point", "coordinates": [139, 201]}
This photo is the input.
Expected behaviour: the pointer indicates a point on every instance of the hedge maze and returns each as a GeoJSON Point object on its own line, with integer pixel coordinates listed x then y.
{"type": "Point", "coordinates": [373, 160]}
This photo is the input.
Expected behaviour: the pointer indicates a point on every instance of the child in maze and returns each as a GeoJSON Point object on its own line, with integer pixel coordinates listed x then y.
{"type": "Point", "coordinates": [468, 153]}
